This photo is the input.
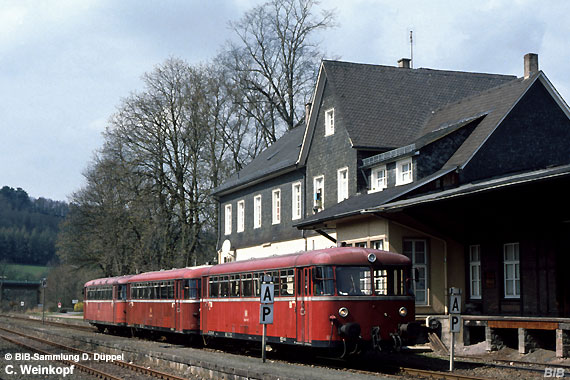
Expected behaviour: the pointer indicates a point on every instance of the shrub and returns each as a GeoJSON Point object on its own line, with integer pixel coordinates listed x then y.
{"type": "Point", "coordinates": [78, 306]}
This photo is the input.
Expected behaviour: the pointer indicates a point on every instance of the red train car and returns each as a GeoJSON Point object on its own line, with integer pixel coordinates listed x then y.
{"type": "Point", "coordinates": [338, 297]}
{"type": "Point", "coordinates": [166, 300]}
{"type": "Point", "coordinates": [105, 302]}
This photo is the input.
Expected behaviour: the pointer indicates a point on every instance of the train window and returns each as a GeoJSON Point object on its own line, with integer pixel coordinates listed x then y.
{"type": "Point", "coordinates": [193, 289]}
{"type": "Point", "coordinates": [399, 288]}
{"type": "Point", "coordinates": [214, 287]}
{"type": "Point", "coordinates": [381, 282]}
{"type": "Point", "coordinates": [353, 281]}
{"type": "Point", "coordinates": [163, 290]}
{"type": "Point", "coordinates": [307, 286]}
{"type": "Point", "coordinates": [186, 289]}
{"type": "Point", "coordinates": [246, 285]}
{"type": "Point", "coordinates": [224, 286]}
{"type": "Point", "coordinates": [170, 287]}
{"type": "Point", "coordinates": [256, 281]}
{"type": "Point", "coordinates": [323, 282]}
{"type": "Point", "coordinates": [287, 282]}
{"type": "Point", "coordinates": [122, 292]}
{"type": "Point", "coordinates": [234, 285]}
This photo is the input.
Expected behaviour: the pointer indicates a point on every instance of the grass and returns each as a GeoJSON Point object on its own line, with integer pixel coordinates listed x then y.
{"type": "Point", "coordinates": [25, 272]}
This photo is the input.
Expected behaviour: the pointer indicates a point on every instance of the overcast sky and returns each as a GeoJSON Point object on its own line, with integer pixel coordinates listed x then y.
{"type": "Point", "coordinates": [66, 64]}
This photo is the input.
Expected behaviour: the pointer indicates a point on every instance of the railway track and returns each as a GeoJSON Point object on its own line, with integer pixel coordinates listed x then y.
{"type": "Point", "coordinates": [50, 323]}
{"type": "Point", "coordinates": [374, 369]}
{"type": "Point", "coordinates": [101, 366]}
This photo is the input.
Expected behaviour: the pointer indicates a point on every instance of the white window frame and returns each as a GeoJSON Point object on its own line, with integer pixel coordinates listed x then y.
{"type": "Point", "coordinates": [420, 266]}
{"type": "Point", "coordinates": [296, 201]}
{"type": "Point", "coordinates": [514, 263]}
{"type": "Point", "coordinates": [375, 184]}
{"type": "Point", "coordinates": [320, 205]}
{"type": "Point", "coordinates": [342, 184]}
{"type": "Point", "coordinates": [377, 244]}
{"type": "Point", "coordinates": [240, 216]}
{"type": "Point", "coordinates": [329, 122]}
{"type": "Point", "coordinates": [475, 272]}
{"type": "Point", "coordinates": [404, 176]}
{"type": "Point", "coordinates": [276, 206]}
{"type": "Point", "coordinates": [257, 211]}
{"type": "Point", "coordinates": [228, 219]}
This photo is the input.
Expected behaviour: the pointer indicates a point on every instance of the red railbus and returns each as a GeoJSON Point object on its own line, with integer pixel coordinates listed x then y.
{"type": "Point", "coordinates": [345, 297]}
{"type": "Point", "coordinates": [105, 302]}
{"type": "Point", "coordinates": [166, 300]}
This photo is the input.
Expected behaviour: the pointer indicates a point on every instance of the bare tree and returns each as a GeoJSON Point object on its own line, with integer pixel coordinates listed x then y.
{"type": "Point", "coordinates": [276, 63]}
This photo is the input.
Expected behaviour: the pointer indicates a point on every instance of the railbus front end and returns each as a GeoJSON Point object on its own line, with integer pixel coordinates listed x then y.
{"type": "Point", "coordinates": [359, 299]}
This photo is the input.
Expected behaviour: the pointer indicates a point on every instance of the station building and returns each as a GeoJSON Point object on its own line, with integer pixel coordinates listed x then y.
{"type": "Point", "coordinates": [465, 173]}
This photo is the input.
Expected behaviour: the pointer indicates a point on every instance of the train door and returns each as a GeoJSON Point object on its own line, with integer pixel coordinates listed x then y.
{"type": "Point", "coordinates": [203, 306]}
{"type": "Point", "coordinates": [173, 296]}
{"type": "Point", "coordinates": [303, 304]}
{"type": "Point", "coordinates": [114, 298]}
{"type": "Point", "coordinates": [178, 297]}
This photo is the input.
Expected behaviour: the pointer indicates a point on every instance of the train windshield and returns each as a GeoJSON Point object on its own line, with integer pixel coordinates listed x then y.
{"type": "Point", "coordinates": [353, 281]}
{"type": "Point", "coordinates": [362, 281]}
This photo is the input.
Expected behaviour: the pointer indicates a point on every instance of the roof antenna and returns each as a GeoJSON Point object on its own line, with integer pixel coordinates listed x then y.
{"type": "Point", "coordinates": [411, 50]}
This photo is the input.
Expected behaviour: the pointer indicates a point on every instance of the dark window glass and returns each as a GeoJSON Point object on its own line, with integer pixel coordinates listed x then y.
{"type": "Point", "coordinates": [324, 281]}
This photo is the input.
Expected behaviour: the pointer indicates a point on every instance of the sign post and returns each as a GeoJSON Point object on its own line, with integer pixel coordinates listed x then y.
{"type": "Point", "coordinates": [454, 320]}
{"type": "Point", "coordinates": [266, 309]}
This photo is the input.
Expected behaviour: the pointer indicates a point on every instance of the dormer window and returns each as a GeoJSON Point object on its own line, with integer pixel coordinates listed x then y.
{"type": "Point", "coordinates": [378, 179]}
{"type": "Point", "coordinates": [329, 122]}
{"type": "Point", "coordinates": [404, 173]}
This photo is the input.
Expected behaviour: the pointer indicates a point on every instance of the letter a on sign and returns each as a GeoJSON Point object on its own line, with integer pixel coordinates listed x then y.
{"type": "Point", "coordinates": [455, 304]}
{"type": "Point", "coordinates": [267, 292]}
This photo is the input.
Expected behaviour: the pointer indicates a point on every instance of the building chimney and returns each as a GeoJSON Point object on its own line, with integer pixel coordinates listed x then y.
{"type": "Point", "coordinates": [307, 113]}
{"type": "Point", "coordinates": [530, 64]}
{"type": "Point", "coordinates": [404, 63]}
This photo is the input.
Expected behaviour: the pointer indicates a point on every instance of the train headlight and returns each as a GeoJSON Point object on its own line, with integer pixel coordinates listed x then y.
{"type": "Point", "coordinates": [403, 311]}
{"type": "Point", "coordinates": [371, 257]}
{"type": "Point", "coordinates": [343, 312]}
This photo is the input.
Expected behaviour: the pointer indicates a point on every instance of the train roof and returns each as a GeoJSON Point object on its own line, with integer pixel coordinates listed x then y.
{"type": "Point", "coordinates": [108, 281]}
{"type": "Point", "coordinates": [190, 272]}
{"type": "Point", "coordinates": [329, 256]}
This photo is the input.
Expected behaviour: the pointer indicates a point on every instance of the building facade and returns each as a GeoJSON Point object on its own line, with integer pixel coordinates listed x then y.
{"type": "Point", "coordinates": [465, 173]}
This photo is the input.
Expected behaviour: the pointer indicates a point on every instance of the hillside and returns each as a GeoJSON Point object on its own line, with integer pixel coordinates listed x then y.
{"type": "Point", "coordinates": [28, 227]}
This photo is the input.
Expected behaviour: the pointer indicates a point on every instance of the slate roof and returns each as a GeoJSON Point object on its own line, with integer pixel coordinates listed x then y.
{"type": "Point", "coordinates": [424, 140]}
{"type": "Point", "coordinates": [281, 155]}
{"type": "Point", "coordinates": [488, 108]}
{"type": "Point", "coordinates": [496, 103]}
{"type": "Point", "coordinates": [388, 107]}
